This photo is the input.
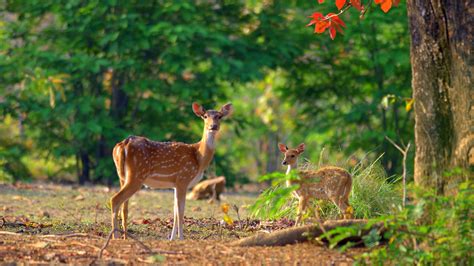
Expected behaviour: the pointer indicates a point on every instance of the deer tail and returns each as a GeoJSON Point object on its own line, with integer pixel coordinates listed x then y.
{"type": "Point", "coordinates": [119, 154]}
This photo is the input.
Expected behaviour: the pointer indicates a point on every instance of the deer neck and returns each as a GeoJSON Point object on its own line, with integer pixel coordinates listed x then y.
{"type": "Point", "coordinates": [291, 167]}
{"type": "Point", "coordinates": [206, 149]}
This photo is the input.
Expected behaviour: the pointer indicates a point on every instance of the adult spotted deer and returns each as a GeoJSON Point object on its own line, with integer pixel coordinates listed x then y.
{"type": "Point", "coordinates": [327, 183]}
{"type": "Point", "coordinates": [175, 165]}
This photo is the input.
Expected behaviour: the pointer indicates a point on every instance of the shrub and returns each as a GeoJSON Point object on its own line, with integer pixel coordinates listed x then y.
{"type": "Point", "coordinates": [436, 230]}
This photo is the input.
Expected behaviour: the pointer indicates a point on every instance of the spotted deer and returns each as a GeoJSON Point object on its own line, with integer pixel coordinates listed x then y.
{"type": "Point", "coordinates": [327, 183]}
{"type": "Point", "coordinates": [140, 161]}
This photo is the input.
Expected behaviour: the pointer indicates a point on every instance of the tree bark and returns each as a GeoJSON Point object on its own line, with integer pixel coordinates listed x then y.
{"type": "Point", "coordinates": [305, 233]}
{"type": "Point", "coordinates": [85, 168]}
{"type": "Point", "coordinates": [441, 44]}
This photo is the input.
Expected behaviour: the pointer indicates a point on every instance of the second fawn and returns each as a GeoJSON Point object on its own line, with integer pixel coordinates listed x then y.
{"type": "Point", "coordinates": [327, 183]}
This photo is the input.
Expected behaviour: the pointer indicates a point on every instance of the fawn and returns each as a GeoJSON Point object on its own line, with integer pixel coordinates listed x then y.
{"type": "Point", "coordinates": [164, 165]}
{"type": "Point", "coordinates": [329, 183]}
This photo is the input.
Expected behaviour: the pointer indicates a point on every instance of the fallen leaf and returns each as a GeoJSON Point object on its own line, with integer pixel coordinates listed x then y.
{"type": "Point", "coordinates": [19, 198]}
{"type": "Point", "coordinates": [225, 207]}
{"type": "Point", "coordinates": [228, 220]}
{"type": "Point", "coordinates": [40, 244]}
{"type": "Point", "coordinates": [79, 197]}
{"type": "Point", "coordinates": [157, 258]}
{"type": "Point", "coordinates": [49, 256]}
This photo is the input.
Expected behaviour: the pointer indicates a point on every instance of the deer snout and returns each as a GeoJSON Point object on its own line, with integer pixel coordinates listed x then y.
{"type": "Point", "coordinates": [213, 127]}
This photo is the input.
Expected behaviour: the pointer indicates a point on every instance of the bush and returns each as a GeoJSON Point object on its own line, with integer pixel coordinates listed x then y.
{"type": "Point", "coordinates": [435, 230]}
{"type": "Point", "coordinates": [371, 195]}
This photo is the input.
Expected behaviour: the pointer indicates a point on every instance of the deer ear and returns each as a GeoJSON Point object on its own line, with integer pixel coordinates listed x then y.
{"type": "Point", "coordinates": [198, 109]}
{"type": "Point", "coordinates": [283, 148]}
{"type": "Point", "coordinates": [300, 148]}
{"type": "Point", "coordinates": [227, 109]}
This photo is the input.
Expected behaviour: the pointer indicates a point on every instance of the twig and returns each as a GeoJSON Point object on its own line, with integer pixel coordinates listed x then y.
{"type": "Point", "coordinates": [9, 233]}
{"type": "Point", "coordinates": [348, 5]}
{"type": "Point", "coordinates": [404, 153]}
{"type": "Point", "coordinates": [84, 245]}
{"type": "Point", "coordinates": [107, 242]}
{"type": "Point", "coordinates": [73, 235]}
{"type": "Point", "coordinates": [47, 236]}
{"type": "Point", "coordinates": [145, 247]}
{"type": "Point", "coordinates": [236, 209]}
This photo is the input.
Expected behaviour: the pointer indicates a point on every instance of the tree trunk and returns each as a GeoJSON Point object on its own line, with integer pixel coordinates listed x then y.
{"type": "Point", "coordinates": [85, 168]}
{"type": "Point", "coordinates": [441, 43]}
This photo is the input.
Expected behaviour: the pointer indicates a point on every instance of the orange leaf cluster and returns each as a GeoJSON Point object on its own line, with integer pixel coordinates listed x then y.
{"type": "Point", "coordinates": [333, 23]}
{"type": "Point", "coordinates": [385, 5]}
{"type": "Point", "coordinates": [340, 4]}
{"type": "Point", "coordinates": [329, 22]}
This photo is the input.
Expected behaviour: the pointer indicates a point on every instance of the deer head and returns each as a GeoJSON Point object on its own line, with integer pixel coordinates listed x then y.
{"type": "Point", "coordinates": [291, 155]}
{"type": "Point", "coordinates": [212, 118]}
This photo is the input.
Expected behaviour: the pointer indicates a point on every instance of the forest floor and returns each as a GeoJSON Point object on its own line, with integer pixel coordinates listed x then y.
{"type": "Point", "coordinates": [44, 223]}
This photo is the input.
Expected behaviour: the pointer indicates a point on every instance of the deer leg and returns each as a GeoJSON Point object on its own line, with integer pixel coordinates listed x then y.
{"type": "Point", "coordinates": [118, 199]}
{"type": "Point", "coordinates": [316, 213]}
{"type": "Point", "coordinates": [124, 218]}
{"type": "Point", "coordinates": [175, 216]}
{"type": "Point", "coordinates": [181, 196]}
{"type": "Point", "coordinates": [348, 210]}
{"type": "Point", "coordinates": [124, 211]}
{"type": "Point", "coordinates": [301, 207]}
{"type": "Point", "coordinates": [343, 207]}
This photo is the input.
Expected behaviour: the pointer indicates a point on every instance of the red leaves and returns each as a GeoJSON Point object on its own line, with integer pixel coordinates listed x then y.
{"type": "Point", "coordinates": [340, 4]}
{"type": "Point", "coordinates": [385, 5]}
{"type": "Point", "coordinates": [356, 4]}
{"type": "Point", "coordinates": [331, 21]}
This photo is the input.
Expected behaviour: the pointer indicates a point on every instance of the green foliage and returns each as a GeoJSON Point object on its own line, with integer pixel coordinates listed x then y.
{"type": "Point", "coordinates": [432, 230]}
{"type": "Point", "coordinates": [371, 195]}
{"type": "Point", "coordinates": [87, 74]}
{"type": "Point", "coordinates": [84, 75]}
{"type": "Point", "coordinates": [11, 151]}
{"type": "Point", "coordinates": [277, 200]}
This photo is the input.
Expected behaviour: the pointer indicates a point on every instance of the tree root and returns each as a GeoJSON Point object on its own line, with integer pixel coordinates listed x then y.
{"type": "Point", "coordinates": [305, 233]}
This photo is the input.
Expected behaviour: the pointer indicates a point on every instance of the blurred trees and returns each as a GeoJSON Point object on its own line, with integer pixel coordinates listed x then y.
{"type": "Point", "coordinates": [87, 74]}
{"type": "Point", "coordinates": [80, 76]}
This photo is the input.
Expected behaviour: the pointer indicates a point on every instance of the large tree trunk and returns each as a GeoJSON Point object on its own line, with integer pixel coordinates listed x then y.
{"type": "Point", "coordinates": [441, 44]}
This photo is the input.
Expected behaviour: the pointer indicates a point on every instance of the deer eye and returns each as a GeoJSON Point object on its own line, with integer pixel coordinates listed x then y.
{"type": "Point", "coordinates": [292, 156]}
{"type": "Point", "coordinates": [205, 116]}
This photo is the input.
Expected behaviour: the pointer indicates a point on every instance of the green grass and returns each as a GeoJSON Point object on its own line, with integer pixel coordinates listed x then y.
{"type": "Point", "coordinates": [371, 195]}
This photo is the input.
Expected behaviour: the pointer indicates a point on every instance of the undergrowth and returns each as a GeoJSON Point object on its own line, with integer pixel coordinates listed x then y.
{"type": "Point", "coordinates": [433, 230]}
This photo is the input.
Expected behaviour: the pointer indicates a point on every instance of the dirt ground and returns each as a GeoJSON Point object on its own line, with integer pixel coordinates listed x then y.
{"type": "Point", "coordinates": [44, 223]}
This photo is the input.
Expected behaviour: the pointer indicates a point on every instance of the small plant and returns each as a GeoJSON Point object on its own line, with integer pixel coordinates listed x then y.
{"type": "Point", "coordinates": [276, 201]}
